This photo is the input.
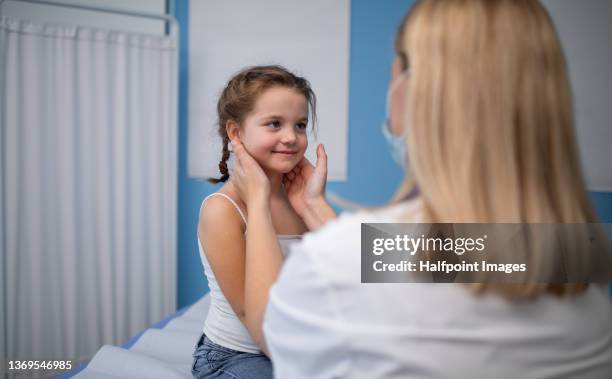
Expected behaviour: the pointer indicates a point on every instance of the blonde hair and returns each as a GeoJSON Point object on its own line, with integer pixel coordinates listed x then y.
{"type": "Point", "coordinates": [490, 121]}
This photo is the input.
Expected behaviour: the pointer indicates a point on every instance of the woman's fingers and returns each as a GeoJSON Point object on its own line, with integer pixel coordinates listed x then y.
{"type": "Point", "coordinates": [239, 151]}
{"type": "Point", "coordinates": [321, 159]}
{"type": "Point", "coordinates": [296, 171]}
{"type": "Point", "coordinates": [243, 159]}
{"type": "Point", "coordinates": [249, 177]}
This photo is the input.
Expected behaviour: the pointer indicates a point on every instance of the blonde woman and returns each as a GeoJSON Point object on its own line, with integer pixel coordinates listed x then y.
{"type": "Point", "coordinates": [488, 126]}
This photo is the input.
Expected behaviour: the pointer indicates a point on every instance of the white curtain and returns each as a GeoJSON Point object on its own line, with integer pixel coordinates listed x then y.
{"type": "Point", "coordinates": [89, 156]}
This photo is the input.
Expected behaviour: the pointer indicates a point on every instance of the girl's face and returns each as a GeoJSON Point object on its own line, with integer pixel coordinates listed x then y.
{"type": "Point", "coordinates": [274, 133]}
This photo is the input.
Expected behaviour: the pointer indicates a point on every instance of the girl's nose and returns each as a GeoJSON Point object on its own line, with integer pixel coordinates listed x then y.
{"type": "Point", "coordinates": [289, 137]}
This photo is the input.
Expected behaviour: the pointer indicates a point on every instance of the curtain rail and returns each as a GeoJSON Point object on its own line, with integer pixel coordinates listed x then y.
{"type": "Point", "coordinates": [163, 17]}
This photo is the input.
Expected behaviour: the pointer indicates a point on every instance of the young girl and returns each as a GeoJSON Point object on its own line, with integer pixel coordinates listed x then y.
{"type": "Point", "coordinates": [266, 109]}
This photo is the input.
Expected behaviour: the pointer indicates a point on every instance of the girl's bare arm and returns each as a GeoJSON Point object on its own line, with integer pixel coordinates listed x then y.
{"type": "Point", "coordinates": [221, 233]}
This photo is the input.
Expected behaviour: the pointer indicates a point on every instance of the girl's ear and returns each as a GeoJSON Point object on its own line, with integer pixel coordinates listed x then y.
{"type": "Point", "coordinates": [233, 130]}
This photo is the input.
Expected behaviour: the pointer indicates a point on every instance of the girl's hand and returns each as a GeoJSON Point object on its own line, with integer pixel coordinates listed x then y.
{"type": "Point", "coordinates": [305, 184]}
{"type": "Point", "coordinates": [248, 177]}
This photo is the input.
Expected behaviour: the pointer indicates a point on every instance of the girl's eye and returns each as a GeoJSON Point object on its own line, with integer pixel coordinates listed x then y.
{"type": "Point", "coordinates": [274, 124]}
{"type": "Point", "coordinates": [301, 126]}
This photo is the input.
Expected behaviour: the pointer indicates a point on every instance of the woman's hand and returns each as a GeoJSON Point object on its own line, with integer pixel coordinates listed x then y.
{"type": "Point", "coordinates": [305, 184]}
{"type": "Point", "coordinates": [305, 187]}
{"type": "Point", "coordinates": [248, 177]}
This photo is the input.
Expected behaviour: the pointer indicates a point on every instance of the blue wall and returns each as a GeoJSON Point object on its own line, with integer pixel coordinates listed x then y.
{"type": "Point", "coordinates": [372, 177]}
{"type": "Point", "coordinates": [603, 203]}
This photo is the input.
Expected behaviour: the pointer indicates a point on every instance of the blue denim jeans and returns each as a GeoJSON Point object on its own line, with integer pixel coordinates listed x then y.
{"type": "Point", "coordinates": [214, 361]}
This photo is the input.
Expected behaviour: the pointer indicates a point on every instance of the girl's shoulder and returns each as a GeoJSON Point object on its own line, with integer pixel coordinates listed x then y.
{"type": "Point", "coordinates": [222, 209]}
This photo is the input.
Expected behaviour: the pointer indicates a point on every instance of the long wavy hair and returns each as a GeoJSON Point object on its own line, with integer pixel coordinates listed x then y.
{"type": "Point", "coordinates": [490, 121]}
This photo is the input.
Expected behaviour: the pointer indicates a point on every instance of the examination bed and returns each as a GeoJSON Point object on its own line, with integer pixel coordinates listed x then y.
{"type": "Point", "coordinates": [162, 351]}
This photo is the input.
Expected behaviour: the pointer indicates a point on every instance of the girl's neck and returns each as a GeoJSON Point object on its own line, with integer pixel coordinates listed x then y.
{"type": "Point", "coordinates": [276, 185]}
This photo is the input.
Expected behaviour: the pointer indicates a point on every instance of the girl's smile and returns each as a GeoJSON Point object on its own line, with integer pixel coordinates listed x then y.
{"type": "Point", "coordinates": [286, 152]}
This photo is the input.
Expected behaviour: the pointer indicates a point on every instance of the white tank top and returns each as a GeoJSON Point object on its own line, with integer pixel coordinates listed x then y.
{"type": "Point", "coordinates": [222, 326]}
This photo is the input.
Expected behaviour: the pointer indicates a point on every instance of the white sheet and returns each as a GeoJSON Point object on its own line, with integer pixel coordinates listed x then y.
{"type": "Point", "coordinates": [158, 353]}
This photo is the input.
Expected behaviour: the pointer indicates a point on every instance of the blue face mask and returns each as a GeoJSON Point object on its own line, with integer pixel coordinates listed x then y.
{"type": "Point", "coordinates": [397, 144]}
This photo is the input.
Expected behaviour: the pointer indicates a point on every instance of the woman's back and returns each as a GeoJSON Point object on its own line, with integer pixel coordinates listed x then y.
{"type": "Point", "coordinates": [361, 330]}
